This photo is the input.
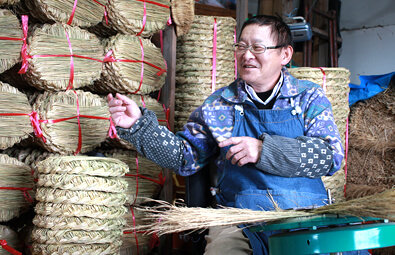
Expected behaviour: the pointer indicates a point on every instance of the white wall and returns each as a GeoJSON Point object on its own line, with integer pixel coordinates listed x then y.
{"type": "Point", "coordinates": [368, 33]}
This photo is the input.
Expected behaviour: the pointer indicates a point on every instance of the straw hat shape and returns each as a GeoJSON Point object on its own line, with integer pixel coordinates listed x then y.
{"type": "Point", "coordinates": [138, 17]}
{"type": "Point", "coordinates": [50, 48]}
{"type": "Point", "coordinates": [336, 89]}
{"type": "Point", "coordinates": [63, 137]}
{"type": "Point", "coordinates": [10, 50]}
{"type": "Point", "coordinates": [127, 73]}
{"type": "Point", "coordinates": [16, 176]}
{"type": "Point", "coordinates": [85, 13]}
{"type": "Point", "coordinates": [14, 127]}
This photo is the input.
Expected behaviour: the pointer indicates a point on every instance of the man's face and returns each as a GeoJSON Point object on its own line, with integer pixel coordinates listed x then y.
{"type": "Point", "coordinates": [261, 71]}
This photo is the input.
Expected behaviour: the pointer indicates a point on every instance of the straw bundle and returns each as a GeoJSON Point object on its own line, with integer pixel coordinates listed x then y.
{"type": "Point", "coordinates": [6, 233]}
{"type": "Point", "coordinates": [8, 2]}
{"type": "Point", "coordinates": [182, 13]}
{"type": "Point", "coordinates": [336, 89]}
{"type": "Point", "coordinates": [16, 176]}
{"type": "Point", "coordinates": [167, 218]}
{"type": "Point", "coordinates": [67, 135]}
{"type": "Point", "coordinates": [138, 17]}
{"type": "Point", "coordinates": [87, 13]}
{"type": "Point", "coordinates": [127, 73]}
{"type": "Point", "coordinates": [76, 210]}
{"type": "Point", "coordinates": [13, 128]}
{"type": "Point", "coordinates": [110, 248]}
{"type": "Point", "coordinates": [95, 166]}
{"type": "Point", "coordinates": [354, 191]}
{"type": "Point", "coordinates": [48, 236]}
{"type": "Point", "coordinates": [10, 50]}
{"type": "Point", "coordinates": [139, 189]}
{"type": "Point", "coordinates": [194, 63]}
{"type": "Point", "coordinates": [57, 41]}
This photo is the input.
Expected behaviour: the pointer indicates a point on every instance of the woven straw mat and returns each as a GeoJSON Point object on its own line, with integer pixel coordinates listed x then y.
{"type": "Point", "coordinates": [53, 72]}
{"type": "Point", "coordinates": [10, 50]}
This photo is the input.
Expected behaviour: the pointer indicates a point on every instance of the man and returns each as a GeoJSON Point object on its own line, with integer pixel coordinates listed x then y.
{"type": "Point", "coordinates": [272, 136]}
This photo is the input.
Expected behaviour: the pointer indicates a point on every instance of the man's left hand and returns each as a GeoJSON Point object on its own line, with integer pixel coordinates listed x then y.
{"type": "Point", "coordinates": [245, 149]}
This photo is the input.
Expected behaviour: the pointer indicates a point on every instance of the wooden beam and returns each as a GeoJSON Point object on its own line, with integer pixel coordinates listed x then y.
{"type": "Point", "coordinates": [242, 14]}
{"type": "Point", "coordinates": [209, 10]}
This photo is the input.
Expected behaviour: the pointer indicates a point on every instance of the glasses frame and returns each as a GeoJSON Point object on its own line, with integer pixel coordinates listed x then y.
{"type": "Point", "coordinates": [249, 47]}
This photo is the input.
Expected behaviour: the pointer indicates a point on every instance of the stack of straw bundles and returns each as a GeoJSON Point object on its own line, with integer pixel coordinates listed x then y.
{"type": "Point", "coordinates": [11, 237]}
{"type": "Point", "coordinates": [16, 182]}
{"type": "Point", "coordinates": [72, 121]}
{"type": "Point", "coordinates": [198, 70]}
{"type": "Point", "coordinates": [63, 57]}
{"type": "Point", "coordinates": [11, 40]}
{"type": "Point", "coordinates": [138, 17]}
{"type": "Point", "coordinates": [137, 67]}
{"type": "Point", "coordinates": [335, 84]}
{"type": "Point", "coordinates": [80, 206]}
{"type": "Point", "coordinates": [83, 13]}
{"type": "Point", "coordinates": [14, 115]}
{"type": "Point", "coordinates": [144, 178]}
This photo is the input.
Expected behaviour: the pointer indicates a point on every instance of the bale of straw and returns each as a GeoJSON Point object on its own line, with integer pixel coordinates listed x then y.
{"type": "Point", "coordinates": [61, 196]}
{"type": "Point", "coordinates": [336, 89]}
{"type": "Point", "coordinates": [10, 50]}
{"type": "Point", "coordinates": [127, 16]}
{"type": "Point", "coordinates": [57, 42]}
{"type": "Point", "coordinates": [77, 210]}
{"type": "Point", "coordinates": [14, 174]}
{"type": "Point", "coordinates": [124, 74]}
{"type": "Point", "coordinates": [48, 236]}
{"type": "Point", "coordinates": [78, 223]}
{"type": "Point", "coordinates": [108, 248]}
{"type": "Point", "coordinates": [183, 14]}
{"type": "Point", "coordinates": [64, 136]}
{"type": "Point", "coordinates": [86, 13]}
{"type": "Point", "coordinates": [82, 182]}
{"type": "Point", "coordinates": [354, 191]}
{"type": "Point", "coordinates": [139, 189]}
{"type": "Point", "coordinates": [94, 166]}
{"type": "Point", "coordinates": [17, 127]}
{"type": "Point", "coordinates": [6, 233]}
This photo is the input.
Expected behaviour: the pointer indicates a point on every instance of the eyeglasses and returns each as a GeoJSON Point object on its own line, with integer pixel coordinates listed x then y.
{"type": "Point", "coordinates": [254, 48]}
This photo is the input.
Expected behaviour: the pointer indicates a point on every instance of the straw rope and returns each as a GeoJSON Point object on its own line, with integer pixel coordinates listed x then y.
{"type": "Point", "coordinates": [82, 182]}
{"type": "Point", "coordinates": [16, 182]}
{"type": "Point", "coordinates": [64, 136]}
{"type": "Point", "coordinates": [10, 50]}
{"type": "Point", "coordinates": [85, 249]}
{"type": "Point", "coordinates": [77, 210]}
{"type": "Point", "coordinates": [86, 13]}
{"type": "Point", "coordinates": [167, 218]}
{"type": "Point", "coordinates": [95, 166]}
{"type": "Point", "coordinates": [124, 74]}
{"type": "Point", "coordinates": [14, 128]}
{"type": "Point", "coordinates": [78, 223]}
{"type": "Point", "coordinates": [47, 236]}
{"type": "Point", "coordinates": [80, 197]}
{"type": "Point", "coordinates": [127, 16]}
{"type": "Point", "coordinates": [56, 41]}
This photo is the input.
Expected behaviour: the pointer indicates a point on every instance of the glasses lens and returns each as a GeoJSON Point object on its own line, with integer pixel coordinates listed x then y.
{"type": "Point", "coordinates": [239, 47]}
{"type": "Point", "coordinates": [258, 48]}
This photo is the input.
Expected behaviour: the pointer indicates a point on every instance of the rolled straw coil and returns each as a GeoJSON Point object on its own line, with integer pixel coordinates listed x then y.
{"type": "Point", "coordinates": [63, 137]}
{"type": "Point", "coordinates": [78, 223]}
{"type": "Point", "coordinates": [108, 248]}
{"type": "Point", "coordinates": [77, 210]}
{"type": "Point", "coordinates": [14, 127]}
{"type": "Point", "coordinates": [94, 166]}
{"type": "Point", "coordinates": [48, 236]}
{"type": "Point", "coordinates": [10, 50]}
{"type": "Point", "coordinates": [16, 176]}
{"type": "Point", "coordinates": [336, 89]}
{"type": "Point", "coordinates": [11, 237]}
{"type": "Point", "coordinates": [52, 72]}
{"type": "Point", "coordinates": [127, 73]}
{"type": "Point", "coordinates": [86, 12]}
{"type": "Point", "coordinates": [127, 16]}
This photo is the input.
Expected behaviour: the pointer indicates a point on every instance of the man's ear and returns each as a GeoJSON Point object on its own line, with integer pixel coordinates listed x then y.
{"type": "Point", "coordinates": [287, 54]}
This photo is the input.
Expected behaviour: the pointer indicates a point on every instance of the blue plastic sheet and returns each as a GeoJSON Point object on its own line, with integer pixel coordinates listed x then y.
{"type": "Point", "coordinates": [370, 86]}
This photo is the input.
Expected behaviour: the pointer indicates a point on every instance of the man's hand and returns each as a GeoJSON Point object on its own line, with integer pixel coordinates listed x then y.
{"type": "Point", "coordinates": [124, 111]}
{"type": "Point", "coordinates": [245, 150]}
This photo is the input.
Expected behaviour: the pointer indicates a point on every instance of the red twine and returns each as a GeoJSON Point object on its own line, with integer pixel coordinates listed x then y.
{"type": "Point", "coordinates": [8, 248]}
{"type": "Point", "coordinates": [25, 193]}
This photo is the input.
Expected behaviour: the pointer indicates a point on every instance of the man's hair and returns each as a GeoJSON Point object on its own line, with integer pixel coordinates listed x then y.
{"type": "Point", "coordinates": [279, 29]}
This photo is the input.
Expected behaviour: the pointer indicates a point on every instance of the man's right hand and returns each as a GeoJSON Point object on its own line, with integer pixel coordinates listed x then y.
{"type": "Point", "coordinates": [124, 111]}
